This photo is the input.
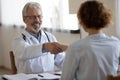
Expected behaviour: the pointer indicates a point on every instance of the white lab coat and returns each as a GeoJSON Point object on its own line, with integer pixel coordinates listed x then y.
{"type": "Point", "coordinates": [91, 58]}
{"type": "Point", "coordinates": [29, 57]}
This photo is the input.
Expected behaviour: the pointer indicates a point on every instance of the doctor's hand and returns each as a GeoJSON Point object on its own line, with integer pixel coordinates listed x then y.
{"type": "Point", "coordinates": [54, 47]}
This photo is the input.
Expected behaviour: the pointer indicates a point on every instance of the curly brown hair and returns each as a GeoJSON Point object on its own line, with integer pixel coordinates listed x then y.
{"type": "Point", "coordinates": [94, 14]}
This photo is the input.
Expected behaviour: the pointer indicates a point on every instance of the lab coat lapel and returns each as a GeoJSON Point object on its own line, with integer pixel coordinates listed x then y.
{"type": "Point", "coordinates": [30, 38]}
{"type": "Point", "coordinates": [43, 37]}
{"type": "Point", "coordinates": [34, 40]}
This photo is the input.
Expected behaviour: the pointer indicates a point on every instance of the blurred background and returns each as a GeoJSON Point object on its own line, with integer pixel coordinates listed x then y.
{"type": "Point", "coordinates": [59, 18]}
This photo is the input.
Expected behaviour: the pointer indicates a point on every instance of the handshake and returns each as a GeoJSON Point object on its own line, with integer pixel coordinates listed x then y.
{"type": "Point", "coordinates": [54, 47]}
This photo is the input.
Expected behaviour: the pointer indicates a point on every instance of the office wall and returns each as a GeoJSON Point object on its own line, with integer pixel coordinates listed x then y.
{"type": "Point", "coordinates": [74, 5]}
{"type": "Point", "coordinates": [113, 29]}
{"type": "Point", "coordinates": [9, 7]}
{"type": "Point", "coordinates": [7, 11]}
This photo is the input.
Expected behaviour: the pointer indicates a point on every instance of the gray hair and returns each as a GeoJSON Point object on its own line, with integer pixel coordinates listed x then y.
{"type": "Point", "coordinates": [30, 5]}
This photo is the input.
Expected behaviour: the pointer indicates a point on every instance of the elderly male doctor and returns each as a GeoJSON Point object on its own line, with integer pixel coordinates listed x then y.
{"type": "Point", "coordinates": [35, 50]}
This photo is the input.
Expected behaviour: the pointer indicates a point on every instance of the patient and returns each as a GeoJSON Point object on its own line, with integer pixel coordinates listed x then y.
{"type": "Point", "coordinates": [95, 56]}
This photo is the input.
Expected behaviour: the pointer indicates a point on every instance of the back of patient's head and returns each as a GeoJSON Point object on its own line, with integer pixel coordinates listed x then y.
{"type": "Point", "coordinates": [94, 14]}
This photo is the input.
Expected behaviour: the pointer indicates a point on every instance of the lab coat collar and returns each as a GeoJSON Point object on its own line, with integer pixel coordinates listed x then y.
{"type": "Point", "coordinates": [28, 35]}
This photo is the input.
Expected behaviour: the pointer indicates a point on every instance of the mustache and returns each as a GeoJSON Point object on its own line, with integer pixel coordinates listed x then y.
{"type": "Point", "coordinates": [36, 23]}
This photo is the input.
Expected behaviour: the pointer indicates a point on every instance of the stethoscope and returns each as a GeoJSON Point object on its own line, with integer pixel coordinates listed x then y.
{"type": "Point", "coordinates": [24, 37]}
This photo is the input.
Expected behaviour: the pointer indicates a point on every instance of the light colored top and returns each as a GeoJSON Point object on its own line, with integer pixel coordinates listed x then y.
{"type": "Point", "coordinates": [29, 56]}
{"type": "Point", "coordinates": [91, 58]}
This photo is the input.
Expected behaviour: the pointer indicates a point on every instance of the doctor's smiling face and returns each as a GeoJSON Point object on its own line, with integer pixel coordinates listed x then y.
{"type": "Point", "coordinates": [33, 19]}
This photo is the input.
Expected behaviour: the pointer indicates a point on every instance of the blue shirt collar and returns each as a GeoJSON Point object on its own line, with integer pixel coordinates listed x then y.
{"type": "Point", "coordinates": [38, 37]}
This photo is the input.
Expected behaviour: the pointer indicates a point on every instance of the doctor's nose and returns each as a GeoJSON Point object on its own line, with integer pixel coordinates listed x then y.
{"type": "Point", "coordinates": [37, 18]}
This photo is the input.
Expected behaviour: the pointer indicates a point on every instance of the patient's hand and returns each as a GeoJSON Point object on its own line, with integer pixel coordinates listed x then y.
{"type": "Point", "coordinates": [62, 46]}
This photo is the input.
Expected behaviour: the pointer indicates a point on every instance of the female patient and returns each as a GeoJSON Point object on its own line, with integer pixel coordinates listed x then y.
{"type": "Point", "coordinates": [95, 56]}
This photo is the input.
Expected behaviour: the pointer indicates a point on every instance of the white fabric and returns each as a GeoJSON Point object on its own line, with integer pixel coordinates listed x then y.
{"type": "Point", "coordinates": [91, 58]}
{"type": "Point", "coordinates": [29, 57]}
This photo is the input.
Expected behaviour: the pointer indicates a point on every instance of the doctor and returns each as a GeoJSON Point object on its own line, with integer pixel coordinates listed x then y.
{"type": "Point", "coordinates": [35, 50]}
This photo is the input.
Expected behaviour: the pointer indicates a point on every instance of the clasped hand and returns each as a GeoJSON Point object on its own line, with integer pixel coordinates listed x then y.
{"type": "Point", "coordinates": [55, 47]}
